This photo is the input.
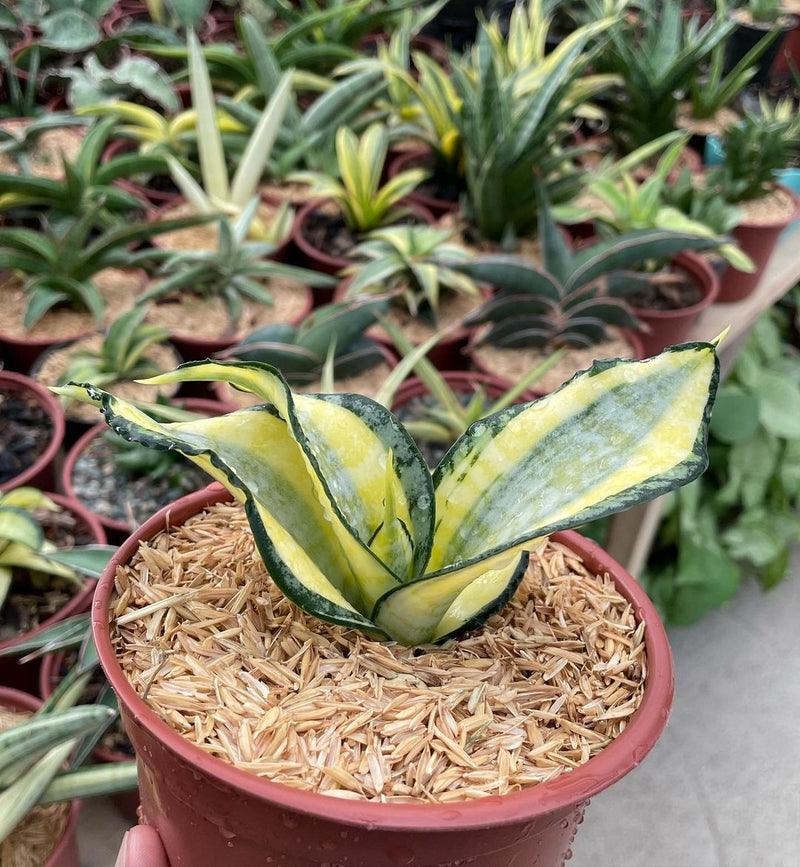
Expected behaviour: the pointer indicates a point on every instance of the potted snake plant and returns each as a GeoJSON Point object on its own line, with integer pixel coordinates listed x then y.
{"type": "Point", "coordinates": [390, 567]}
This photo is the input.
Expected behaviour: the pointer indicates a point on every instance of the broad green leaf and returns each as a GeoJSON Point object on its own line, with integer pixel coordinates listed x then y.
{"type": "Point", "coordinates": [89, 560]}
{"type": "Point", "coordinates": [735, 415]}
{"type": "Point", "coordinates": [705, 579]}
{"type": "Point", "coordinates": [779, 405]}
{"type": "Point", "coordinates": [17, 525]}
{"type": "Point", "coordinates": [69, 30]}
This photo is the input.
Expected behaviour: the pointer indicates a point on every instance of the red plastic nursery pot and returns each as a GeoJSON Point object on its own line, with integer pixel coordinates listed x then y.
{"type": "Point", "coordinates": [26, 675]}
{"type": "Point", "coordinates": [668, 327]}
{"type": "Point", "coordinates": [65, 853]}
{"type": "Point", "coordinates": [758, 241]}
{"type": "Point", "coordinates": [208, 812]}
{"type": "Point", "coordinates": [413, 159]}
{"type": "Point", "coordinates": [40, 473]}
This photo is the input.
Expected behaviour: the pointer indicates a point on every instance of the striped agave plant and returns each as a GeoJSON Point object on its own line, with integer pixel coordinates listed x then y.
{"type": "Point", "coordinates": [356, 530]}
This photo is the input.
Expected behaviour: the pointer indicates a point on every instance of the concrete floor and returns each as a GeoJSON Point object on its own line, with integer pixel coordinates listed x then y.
{"type": "Point", "coordinates": [722, 786]}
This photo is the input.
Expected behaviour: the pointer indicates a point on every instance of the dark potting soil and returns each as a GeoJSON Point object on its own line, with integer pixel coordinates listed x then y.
{"type": "Point", "coordinates": [329, 234]}
{"type": "Point", "coordinates": [34, 596]}
{"type": "Point", "coordinates": [118, 495]}
{"type": "Point", "coordinates": [668, 290]}
{"type": "Point", "coordinates": [24, 435]}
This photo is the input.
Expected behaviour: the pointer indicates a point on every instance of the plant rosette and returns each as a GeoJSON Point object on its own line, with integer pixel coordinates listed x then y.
{"type": "Point", "coordinates": [121, 499]}
{"type": "Point", "coordinates": [448, 352]}
{"type": "Point", "coordinates": [33, 431]}
{"type": "Point", "coordinates": [52, 830]}
{"type": "Point", "coordinates": [26, 675]}
{"type": "Point", "coordinates": [323, 239]}
{"type": "Point", "coordinates": [757, 235]}
{"type": "Point", "coordinates": [23, 346]}
{"type": "Point", "coordinates": [51, 366]}
{"type": "Point", "coordinates": [52, 146]}
{"type": "Point", "coordinates": [247, 818]}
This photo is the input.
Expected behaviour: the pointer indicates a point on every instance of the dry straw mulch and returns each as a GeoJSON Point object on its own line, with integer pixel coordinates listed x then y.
{"type": "Point", "coordinates": [32, 841]}
{"type": "Point", "coordinates": [226, 660]}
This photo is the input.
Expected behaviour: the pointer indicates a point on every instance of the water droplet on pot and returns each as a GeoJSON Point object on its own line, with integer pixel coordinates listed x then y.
{"type": "Point", "coordinates": [230, 844]}
{"type": "Point", "coordinates": [639, 753]}
{"type": "Point", "coordinates": [328, 846]}
{"type": "Point", "coordinates": [450, 815]}
{"type": "Point", "coordinates": [227, 834]}
{"type": "Point", "coordinates": [564, 824]}
{"type": "Point", "coordinates": [289, 822]}
{"type": "Point", "coordinates": [568, 855]}
{"type": "Point", "coordinates": [343, 834]}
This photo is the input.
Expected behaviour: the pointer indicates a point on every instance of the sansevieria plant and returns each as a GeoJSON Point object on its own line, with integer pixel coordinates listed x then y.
{"type": "Point", "coordinates": [355, 529]}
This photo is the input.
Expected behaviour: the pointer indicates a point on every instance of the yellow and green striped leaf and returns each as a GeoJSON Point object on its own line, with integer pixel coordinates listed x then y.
{"type": "Point", "coordinates": [615, 435]}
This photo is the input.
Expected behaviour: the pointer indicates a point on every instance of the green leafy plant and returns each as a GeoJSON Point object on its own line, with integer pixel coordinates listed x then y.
{"type": "Point", "coordinates": [21, 94]}
{"type": "Point", "coordinates": [131, 77]}
{"type": "Point", "coordinates": [364, 203]}
{"type": "Point", "coordinates": [24, 548]}
{"type": "Point", "coordinates": [67, 26]}
{"type": "Point", "coordinates": [713, 88]}
{"type": "Point", "coordinates": [657, 58]}
{"type": "Point", "coordinates": [236, 270]}
{"type": "Point", "coordinates": [123, 354]}
{"type": "Point", "coordinates": [754, 150]}
{"type": "Point", "coordinates": [328, 345]}
{"type": "Point", "coordinates": [514, 127]}
{"type": "Point", "coordinates": [412, 260]}
{"type": "Point", "coordinates": [742, 518]}
{"type": "Point", "coordinates": [17, 142]}
{"type": "Point", "coordinates": [572, 298]}
{"type": "Point", "coordinates": [43, 758]}
{"type": "Point", "coordinates": [622, 205]}
{"type": "Point", "coordinates": [449, 416]}
{"type": "Point", "coordinates": [765, 11]}
{"type": "Point", "coordinates": [421, 558]}
{"type": "Point", "coordinates": [87, 183]}
{"type": "Point", "coordinates": [58, 264]}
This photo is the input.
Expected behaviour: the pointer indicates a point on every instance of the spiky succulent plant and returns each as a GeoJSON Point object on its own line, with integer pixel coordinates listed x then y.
{"type": "Point", "coordinates": [332, 335]}
{"type": "Point", "coordinates": [355, 529]}
{"type": "Point", "coordinates": [572, 298]}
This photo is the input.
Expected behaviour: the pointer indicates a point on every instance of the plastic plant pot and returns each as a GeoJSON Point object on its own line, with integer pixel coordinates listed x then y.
{"type": "Point", "coordinates": [414, 159]}
{"type": "Point", "coordinates": [758, 241]}
{"type": "Point", "coordinates": [65, 853]}
{"type": "Point", "coordinates": [668, 327]}
{"type": "Point", "coordinates": [790, 178]}
{"type": "Point", "coordinates": [40, 473]}
{"type": "Point", "coordinates": [208, 812]}
{"type": "Point", "coordinates": [25, 675]}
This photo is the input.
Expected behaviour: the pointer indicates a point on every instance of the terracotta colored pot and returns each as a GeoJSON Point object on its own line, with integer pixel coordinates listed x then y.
{"type": "Point", "coordinates": [747, 35]}
{"type": "Point", "coordinates": [159, 199]}
{"type": "Point", "coordinates": [321, 261]}
{"type": "Point", "coordinates": [420, 157]}
{"type": "Point", "coordinates": [758, 242]}
{"type": "Point", "coordinates": [124, 14]}
{"type": "Point", "coordinates": [50, 676]}
{"type": "Point", "coordinates": [118, 531]}
{"type": "Point", "coordinates": [40, 473]}
{"type": "Point", "coordinates": [208, 812]}
{"type": "Point", "coordinates": [65, 853]}
{"type": "Point", "coordinates": [668, 327]}
{"type": "Point", "coordinates": [461, 381]}
{"type": "Point", "coordinates": [25, 675]}
{"type": "Point", "coordinates": [788, 53]}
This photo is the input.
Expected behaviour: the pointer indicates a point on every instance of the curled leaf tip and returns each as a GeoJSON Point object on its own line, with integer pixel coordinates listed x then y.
{"type": "Point", "coordinates": [720, 337]}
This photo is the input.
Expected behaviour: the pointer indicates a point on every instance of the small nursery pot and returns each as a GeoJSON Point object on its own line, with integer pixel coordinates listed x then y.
{"type": "Point", "coordinates": [208, 812]}
{"type": "Point", "coordinates": [747, 35]}
{"type": "Point", "coordinates": [65, 853]}
{"type": "Point", "coordinates": [26, 675]}
{"type": "Point", "coordinates": [758, 241]}
{"type": "Point", "coordinates": [40, 473]}
{"type": "Point", "coordinates": [668, 327]}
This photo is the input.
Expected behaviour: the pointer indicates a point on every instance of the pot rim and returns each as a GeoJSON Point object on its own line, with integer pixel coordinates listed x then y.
{"type": "Point", "coordinates": [567, 790]}
{"type": "Point", "coordinates": [778, 223]}
{"type": "Point", "coordinates": [49, 402]}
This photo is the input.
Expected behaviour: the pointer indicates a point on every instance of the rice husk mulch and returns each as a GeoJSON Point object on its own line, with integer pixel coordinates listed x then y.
{"type": "Point", "coordinates": [32, 841]}
{"type": "Point", "coordinates": [216, 650]}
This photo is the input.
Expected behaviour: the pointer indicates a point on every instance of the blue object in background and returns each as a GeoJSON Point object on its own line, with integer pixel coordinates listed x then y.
{"type": "Point", "coordinates": [714, 154]}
